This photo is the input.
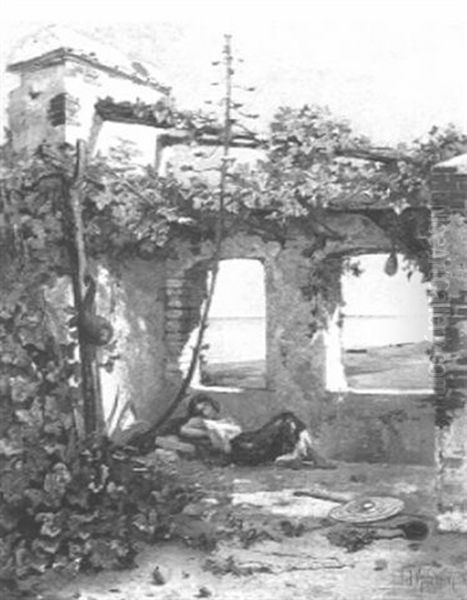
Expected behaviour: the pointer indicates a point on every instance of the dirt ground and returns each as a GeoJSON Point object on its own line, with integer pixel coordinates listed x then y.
{"type": "Point", "coordinates": [280, 549]}
{"type": "Point", "coordinates": [403, 366]}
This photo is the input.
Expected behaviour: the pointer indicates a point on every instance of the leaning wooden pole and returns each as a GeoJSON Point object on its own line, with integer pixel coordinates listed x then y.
{"type": "Point", "coordinates": [87, 353]}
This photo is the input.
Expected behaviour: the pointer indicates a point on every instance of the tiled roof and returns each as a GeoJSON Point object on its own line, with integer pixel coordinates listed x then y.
{"type": "Point", "coordinates": [56, 43]}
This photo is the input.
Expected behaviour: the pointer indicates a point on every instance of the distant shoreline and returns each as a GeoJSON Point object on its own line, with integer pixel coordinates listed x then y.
{"type": "Point", "coordinates": [345, 316]}
{"type": "Point", "coordinates": [260, 318]}
{"type": "Point", "coordinates": [405, 316]}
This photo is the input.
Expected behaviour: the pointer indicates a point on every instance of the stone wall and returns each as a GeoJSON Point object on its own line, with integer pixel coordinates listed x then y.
{"type": "Point", "coordinates": [379, 428]}
{"type": "Point", "coordinates": [384, 428]}
{"type": "Point", "coordinates": [449, 202]}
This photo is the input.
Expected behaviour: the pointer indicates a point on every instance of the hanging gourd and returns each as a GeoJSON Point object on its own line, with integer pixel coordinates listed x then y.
{"type": "Point", "coordinates": [391, 265]}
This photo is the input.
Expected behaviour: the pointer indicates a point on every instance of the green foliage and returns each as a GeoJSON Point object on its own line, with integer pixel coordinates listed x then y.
{"type": "Point", "coordinates": [126, 210]}
{"type": "Point", "coordinates": [316, 160]}
{"type": "Point", "coordinates": [131, 211]}
{"type": "Point", "coordinates": [65, 503]}
{"type": "Point", "coordinates": [407, 182]}
{"type": "Point", "coordinates": [305, 164]}
{"type": "Point", "coordinates": [313, 162]}
{"type": "Point", "coordinates": [323, 291]}
{"type": "Point", "coordinates": [81, 506]}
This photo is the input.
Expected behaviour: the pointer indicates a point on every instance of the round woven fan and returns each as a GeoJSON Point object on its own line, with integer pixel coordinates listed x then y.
{"type": "Point", "coordinates": [367, 509]}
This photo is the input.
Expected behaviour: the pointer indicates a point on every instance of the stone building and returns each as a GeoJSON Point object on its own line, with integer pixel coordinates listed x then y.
{"type": "Point", "coordinates": [155, 303]}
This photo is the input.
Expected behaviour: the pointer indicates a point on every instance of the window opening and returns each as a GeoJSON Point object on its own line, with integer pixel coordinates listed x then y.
{"type": "Point", "coordinates": [385, 331]}
{"type": "Point", "coordinates": [234, 352]}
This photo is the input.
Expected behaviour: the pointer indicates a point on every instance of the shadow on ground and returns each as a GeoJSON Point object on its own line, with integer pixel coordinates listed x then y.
{"type": "Point", "coordinates": [271, 544]}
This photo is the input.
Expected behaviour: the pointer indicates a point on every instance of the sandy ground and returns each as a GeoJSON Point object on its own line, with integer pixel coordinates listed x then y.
{"type": "Point", "coordinates": [405, 366]}
{"type": "Point", "coordinates": [249, 374]}
{"type": "Point", "coordinates": [301, 564]}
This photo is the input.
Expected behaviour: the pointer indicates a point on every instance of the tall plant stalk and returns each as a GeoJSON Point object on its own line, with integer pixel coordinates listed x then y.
{"type": "Point", "coordinates": [219, 235]}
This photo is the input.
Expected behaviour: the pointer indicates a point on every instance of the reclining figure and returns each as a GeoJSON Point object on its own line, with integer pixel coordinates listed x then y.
{"type": "Point", "coordinates": [284, 439]}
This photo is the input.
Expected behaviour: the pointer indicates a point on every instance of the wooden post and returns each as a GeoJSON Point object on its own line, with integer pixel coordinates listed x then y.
{"type": "Point", "coordinates": [87, 353]}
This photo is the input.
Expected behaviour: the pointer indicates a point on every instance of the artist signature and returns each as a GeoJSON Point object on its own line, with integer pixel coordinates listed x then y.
{"type": "Point", "coordinates": [432, 578]}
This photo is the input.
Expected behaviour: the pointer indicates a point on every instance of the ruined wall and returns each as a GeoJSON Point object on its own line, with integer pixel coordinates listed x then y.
{"type": "Point", "coordinates": [32, 116]}
{"type": "Point", "coordinates": [384, 428]}
{"type": "Point", "coordinates": [449, 203]}
{"type": "Point", "coordinates": [55, 103]}
{"type": "Point", "coordinates": [374, 428]}
{"type": "Point", "coordinates": [155, 304]}
{"type": "Point", "coordinates": [133, 367]}
{"type": "Point", "coordinates": [84, 85]}
{"type": "Point", "coordinates": [352, 427]}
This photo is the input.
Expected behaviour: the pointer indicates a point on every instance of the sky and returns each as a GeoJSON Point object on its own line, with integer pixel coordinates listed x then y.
{"type": "Point", "coordinates": [384, 295]}
{"type": "Point", "coordinates": [393, 69]}
{"type": "Point", "coordinates": [244, 299]}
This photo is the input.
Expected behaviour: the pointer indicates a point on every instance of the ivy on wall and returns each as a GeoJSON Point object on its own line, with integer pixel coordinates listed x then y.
{"type": "Point", "coordinates": [74, 505]}
{"type": "Point", "coordinates": [65, 502]}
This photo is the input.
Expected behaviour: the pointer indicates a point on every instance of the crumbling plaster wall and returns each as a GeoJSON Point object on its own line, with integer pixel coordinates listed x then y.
{"type": "Point", "coordinates": [155, 304]}
{"type": "Point", "coordinates": [28, 109]}
{"type": "Point", "coordinates": [80, 85]}
{"type": "Point", "coordinates": [54, 102]}
{"type": "Point", "coordinates": [295, 361]}
{"type": "Point", "coordinates": [132, 296]}
{"type": "Point", "coordinates": [352, 427]}
{"type": "Point", "coordinates": [84, 85]}
{"type": "Point", "coordinates": [132, 367]}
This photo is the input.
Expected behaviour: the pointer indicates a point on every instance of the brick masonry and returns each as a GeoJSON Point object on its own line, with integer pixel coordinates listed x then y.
{"type": "Point", "coordinates": [55, 100]}
{"type": "Point", "coordinates": [449, 304]}
{"type": "Point", "coordinates": [184, 296]}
